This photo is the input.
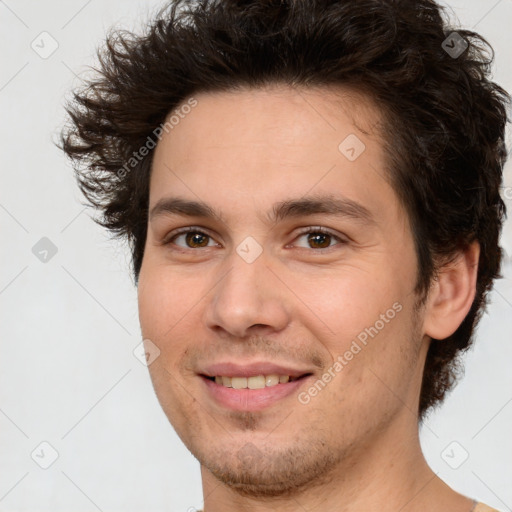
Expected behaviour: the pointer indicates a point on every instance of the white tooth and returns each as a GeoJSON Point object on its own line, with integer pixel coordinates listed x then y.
{"type": "Point", "coordinates": [218, 380]}
{"type": "Point", "coordinates": [271, 380]}
{"type": "Point", "coordinates": [226, 381]}
{"type": "Point", "coordinates": [257, 382]}
{"type": "Point", "coordinates": [238, 382]}
{"type": "Point", "coordinates": [284, 378]}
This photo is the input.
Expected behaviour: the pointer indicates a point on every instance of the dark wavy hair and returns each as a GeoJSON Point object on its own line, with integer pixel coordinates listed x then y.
{"type": "Point", "coordinates": [444, 118]}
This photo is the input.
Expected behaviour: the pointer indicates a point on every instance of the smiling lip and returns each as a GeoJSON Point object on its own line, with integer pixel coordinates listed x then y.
{"type": "Point", "coordinates": [251, 399]}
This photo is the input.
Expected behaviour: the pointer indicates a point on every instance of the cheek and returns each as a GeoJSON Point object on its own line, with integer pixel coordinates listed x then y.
{"type": "Point", "coordinates": [164, 298]}
{"type": "Point", "coordinates": [345, 302]}
{"type": "Point", "coordinates": [165, 305]}
{"type": "Point", "coordinates": [362, 318]}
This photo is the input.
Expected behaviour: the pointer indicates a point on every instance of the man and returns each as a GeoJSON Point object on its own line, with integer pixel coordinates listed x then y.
{"type": "Point", "coordinates": [311, 194]}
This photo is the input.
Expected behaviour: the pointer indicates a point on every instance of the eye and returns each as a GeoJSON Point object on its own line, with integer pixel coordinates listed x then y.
{"type": "Point", "coordinates": [319, 238]}
{"type": "Point", "coordinates": [193, 238]}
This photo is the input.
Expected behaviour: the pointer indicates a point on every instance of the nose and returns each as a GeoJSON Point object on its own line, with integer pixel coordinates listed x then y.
{"type": "Point", "coordinates": [248, 300]}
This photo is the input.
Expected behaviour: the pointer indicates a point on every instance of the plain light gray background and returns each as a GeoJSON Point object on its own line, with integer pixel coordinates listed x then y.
{"type": "Point", "coordinates": [69, 325]}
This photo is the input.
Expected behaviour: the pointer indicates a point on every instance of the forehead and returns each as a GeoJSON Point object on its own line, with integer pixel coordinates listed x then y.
{"type": "Point", "coordinates": [277, 113]}
{"type": "Point", "coordinates": [253, 146]}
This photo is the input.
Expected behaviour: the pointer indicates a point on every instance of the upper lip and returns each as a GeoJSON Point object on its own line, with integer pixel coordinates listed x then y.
{"type": "Point", "coordinates": [251, 370]}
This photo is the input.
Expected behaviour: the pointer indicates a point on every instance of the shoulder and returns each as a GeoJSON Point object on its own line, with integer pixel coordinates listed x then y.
{"type": "Point", "coordinates": [480, 507]}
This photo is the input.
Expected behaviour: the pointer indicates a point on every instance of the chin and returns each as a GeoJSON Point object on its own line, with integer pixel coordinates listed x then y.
{"type": "Point", "coordinates": [266, 473]}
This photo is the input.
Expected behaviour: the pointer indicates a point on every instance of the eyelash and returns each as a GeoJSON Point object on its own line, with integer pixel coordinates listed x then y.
{"type": "Point", "coordinates": [314, 229]}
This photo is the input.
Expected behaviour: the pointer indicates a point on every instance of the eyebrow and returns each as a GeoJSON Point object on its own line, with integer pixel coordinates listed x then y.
{"type": "Point", "coordinates": [292, 208]}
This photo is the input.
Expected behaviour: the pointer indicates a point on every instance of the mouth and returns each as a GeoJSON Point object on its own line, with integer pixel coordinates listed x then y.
{"type": "Point", "coordinates": [253, 382]}
{"type": "Point", "coordinates": [252, 393]}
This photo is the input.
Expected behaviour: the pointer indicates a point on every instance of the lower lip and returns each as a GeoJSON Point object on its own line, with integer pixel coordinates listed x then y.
{"type": "Point", "coordinates": [251, 399]}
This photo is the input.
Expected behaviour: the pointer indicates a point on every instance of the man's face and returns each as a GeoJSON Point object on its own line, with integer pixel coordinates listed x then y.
{"type": "Point", "coordinates": [239, 294]}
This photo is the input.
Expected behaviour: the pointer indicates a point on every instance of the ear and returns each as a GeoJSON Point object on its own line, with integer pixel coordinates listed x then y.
{"type": "Point", "coordinates": [451, 295]}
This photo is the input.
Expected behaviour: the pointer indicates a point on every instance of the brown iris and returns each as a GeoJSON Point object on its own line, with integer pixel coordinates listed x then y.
{"type": "Point", "coordinates": [317, 238]}
{"type": "Point", "coordinates": [197, 238]}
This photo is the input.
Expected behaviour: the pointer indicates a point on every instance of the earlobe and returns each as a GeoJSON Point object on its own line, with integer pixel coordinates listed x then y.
{"type": "Point", "coordinates": [451, 295]}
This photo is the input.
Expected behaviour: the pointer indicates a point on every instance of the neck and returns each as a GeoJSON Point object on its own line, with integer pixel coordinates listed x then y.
{"type": "Point", "coordinates": [388, 474]}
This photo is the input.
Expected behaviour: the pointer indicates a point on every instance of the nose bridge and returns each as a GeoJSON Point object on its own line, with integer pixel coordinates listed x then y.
{"type": "Point", "coordinates": [248, 294]}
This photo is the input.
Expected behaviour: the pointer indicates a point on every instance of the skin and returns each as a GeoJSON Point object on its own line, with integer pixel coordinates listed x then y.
{"type": "Point", "coordinates": [355, 445]}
